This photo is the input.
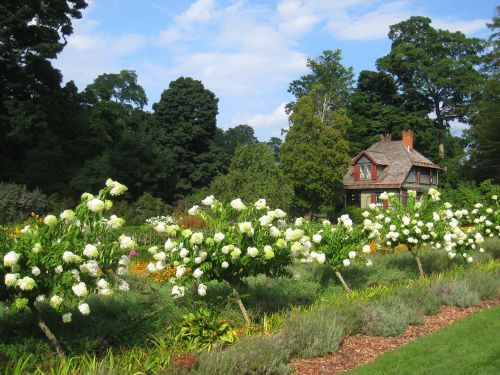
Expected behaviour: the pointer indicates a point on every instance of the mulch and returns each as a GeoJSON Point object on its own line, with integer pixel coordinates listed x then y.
{"type": "Point", "coordinates": [360, 349]}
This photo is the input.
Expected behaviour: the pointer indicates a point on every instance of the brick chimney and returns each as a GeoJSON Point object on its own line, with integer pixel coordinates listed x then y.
{"type": "Point", "coordinates": [408, 139]}
{"type": "Point", "coordinates": [385, 137]}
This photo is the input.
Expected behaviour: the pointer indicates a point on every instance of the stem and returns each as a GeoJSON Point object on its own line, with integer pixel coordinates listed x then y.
{"type": "Point", "coordinates": [52, 338]}
{"type": "Point", "coordinates": [419, 264]}
{"type": "Point", "coordinates": [342, 281]}
{"type": "Point", "coordinates": [241, 305]}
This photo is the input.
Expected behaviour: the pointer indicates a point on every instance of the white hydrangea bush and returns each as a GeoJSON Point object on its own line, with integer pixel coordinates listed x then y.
{"type": "Point", "coordinates": [61, 260]}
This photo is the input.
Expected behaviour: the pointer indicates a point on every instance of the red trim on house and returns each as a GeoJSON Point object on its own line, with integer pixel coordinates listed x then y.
{"type": "Point", "coordinates": [374, 171]}
{"type": "Point", "coordinates": [373, 198]}
{"type": "Point", "coordinates": [356, 172]}
{"type": "Point", "coordinates": [360, 155]}
{"type": "Point", "coordinates": [386, 203]}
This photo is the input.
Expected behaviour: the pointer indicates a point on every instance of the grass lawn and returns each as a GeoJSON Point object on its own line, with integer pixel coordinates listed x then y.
{"type": "Point", "coordinates": [470, 346]}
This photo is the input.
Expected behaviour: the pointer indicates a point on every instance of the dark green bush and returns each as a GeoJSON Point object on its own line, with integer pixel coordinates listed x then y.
{"type": "Point", "coordinates": [455, 293]}
{"type": "Point", "coordinates": [419, 299]}
{"type": "Point", "coordinates": [17, 203]}
{"type": "Point", "coordinates": [386, 318]}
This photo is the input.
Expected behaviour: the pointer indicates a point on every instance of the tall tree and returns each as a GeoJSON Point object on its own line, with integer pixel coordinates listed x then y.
{"type": "Point", "coordinates": [329, 84]}
{"type": "Point", "coordinates": [315, 156]}
{"type": "Point", "coordinates": [436, 70]}
{"type": "Point", "coordinates": [252, 175]}
{"type": "Point", "coordinates": [185, 121]}
{"type": "Point", "coordinates": [31, 33]}
{"type": "Point", "coordinates": [376, 107]}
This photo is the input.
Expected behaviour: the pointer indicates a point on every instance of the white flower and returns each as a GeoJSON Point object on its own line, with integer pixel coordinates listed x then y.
{"type": "Point", "coordinates": [116, 187]}
{"type": "Point", "coordinates": [10, 259]}
{"type": "Point", "coordinates": [202, 290]}
{"type": "Point", "coordinates": [37, 248]}
{"type": "Point", "coordinates": [260, 204]}
{"type": "Point", "coordinates": [274, 232]}
{"type": "Point", "coordinates": [70, 257]}
{"type": "Point", "coordinates": [470, 259]}
{"type": "Point", "coordinates": [11, 279]}
{"type": "Point", "coordinates": [280, 214]}
{"type": "Point", "coordinates": [193, 210]}
{"type": "Point", "coordinates": [184, 252]}
{"type": "Point", "coordinates": [268, 252]}
{"type": "Point", "coordinates": [153, 250]}
{"type": "Point", "coordinates": [67, 215]}
{"type": "Point", "coordinates": [126, 242]}
{"type": "Point", "coordinates": [35, 271]}
{"type": "Point", "coordinates": [55, 301]}
{"type": "Point", "coordinates": [66, 318]}
{"type": "Point", "coordinates": [208, 201]}
{"type": "Point", "coordinates": [87, 196]}
{"type": "Point", "coordinates": [384, 196]}
{"type": "Point", "coordinates": [95, 205]}
{"type": "Point", "coordinates": [320, 257]}
{"type": "Point", "coordinates": [434, 194]}
{"type": "Point", "coordinates": [246, 227]}
{"type": "Point", "coordinates": [366, 249]}
{"type": "Point", "coordinates": [84, 308]}
{"type": "Point", "coordinates": [346, 262]}
{"type": "Point", "coordinates": [102, 284]}
{"type": "Point", "coordinates": [151, 267]}
{"type": "Point", "coordinates": [196, 238]}
{"type": "Point", "coordinates": [218, 237]}
{"type": "Point", "coordinates": [50, 220]}
{"type": "Point", "coordinates": [238, 205]}
{"type": "Point", "coordinates": [352, 254]}
{"type": "Point", "coordinates": [178, 291]}
{"type": "Point", "coordinates": [58, 269]}
{"type": "Point", "coordinates": [80, 289]}
{"type": "Point", "coordinates": [252, 251]}
{"type": "Point", "coordinates": [365, 214]}
{"type": "Point", "coordinates": [412, 193]}
{"type": "Point", "coordinates": [235, 253]}
{"type": "Point", "coordinates": [160, 256]}
{"type": "Point", "coordinates": [451, 255]}
{"type": "Point", "coordinates": [494, 197]}
{"type": "Point", "coordinates": [114, 222]}
{"type": "Point", "coordinates": [197, 273]}
{"type": "Point", "coordinates": [123, 286]}
{"type": "Point", "coordinates": [265, 220]}
{"type": "Point", "coordinates": [40, 298]}
{"type": "Point", "coordinates": [406, 220]}
{"type": "Point", "coordinates": [90, 251]}
{"type": "Point", "coordinates": [224, 264]}
{"type": "Point", "coordinates": [299, 222]}
{"type": "Point", "coordinates": [317, 238]}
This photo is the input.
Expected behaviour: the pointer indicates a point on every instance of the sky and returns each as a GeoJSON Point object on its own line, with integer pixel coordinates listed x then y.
{"type": "Point", "coordinates": [245, 52]}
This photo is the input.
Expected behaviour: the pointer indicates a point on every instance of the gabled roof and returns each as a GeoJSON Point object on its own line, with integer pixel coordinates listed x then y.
{"type": "Point", "coordinates": [397, 159]}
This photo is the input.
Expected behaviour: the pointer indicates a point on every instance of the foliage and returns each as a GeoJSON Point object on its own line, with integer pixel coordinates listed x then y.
{"type": "Point", "coordinates": [17, 202]}
{"type": "Point", "coordinates": [455, 293]}
{"type": "Point", "coordinates": [252, 174]}
{"type": "Point", "coordinates": [435, 69]}
{"type": "Point", "coordinates": [314, 155]}
{"type": "Point", "coordinates": [385, 319]}
{"type": "Point", "coordinates": [185, 123]}
{"type": "Point", "coordinates": [202, 329]}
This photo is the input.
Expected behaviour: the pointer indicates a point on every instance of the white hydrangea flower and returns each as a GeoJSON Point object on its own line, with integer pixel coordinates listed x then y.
{"type": "Point", "coordinates": [35, 271]}
{"type": "Point", "coordinates": [369, 263]}
{"type": "Point", "coordinates": [180, 270]}
{"type": "Point", "coordinates": [197, 273]}
{"type": "Point", "coordinates": [10, 259]}
{"type": "Point", "coordinates": [184, 252]}
{"type": "Point", "coordinates": [84, 308]}
{"type": "Point", "coordinates": [196, 238]}
{"type": "Point", "coordinates": [40, 298]}
{"type": "Point", "coordinates": [266, 220]}
{"type": "Point", "coordinates": [352, 254]}
{"type": "Point", "coordinates": [11, 279]}
{"type": "Point", "coordinates": [366, 249]}
{"type": "Point", "coordinates": [67, 215]}
{"type": "Point", "coordinates": [274, 232]}
{"type": "Point", "coordinates": [50, 220]}
{"type": "Point", "coordinates": [412, 193]}
{"type": "Point", "coordinates": [224, 264]}
{"type": "Point", "coordinates": [90, 251]}
{"type": "Point", "coordinates": [116, 187]}
{"type": "Point", "coordinates": [95, 205]}
{"type": "Point", "coordinates": [66, 318]}
{"type": "Point", "coordinates": [178, 291]}
{"type": "Point", "coordinates": [235, 253]}
{"type": "Point", "coordinates": [299, 222]}
{"type": "Point", "coordinates": [252, 251]}
{"type": "Point", "coordinates": [193, 210]}
{"type": "Point", "coordinates": [246, 227]}
{"type": "Point", "coordinates": [56, 301]}
{"type": "Point", "coordinates": [346, 262]}
{"type": "Point", "coordinates": [384, 196]}
{"type": "Point", "coordinates": [80, 289]}
{"type": "Point", "coordinates": [208, 201]}
{"type": "Point", "coordinates": [70, 257]}
{"type": "Point", "coordinates": [202, 290]}
{"type": "Point", "coordinates": [237, 204]}
{"type": "Point", "coordinates": [260, 204]}
{"type": "Point", "coordinates": [317, 238]}
{"type": "Point", "coordinates": [126, 242]}
{"type": "Point", "coordinates": [435, 195]}
{"type": "Point", "coordinates": [123, 286]}
{"type": "Point", "coordinates": [114, 222]}
{"type": "Point", "coordinates": [58, 269]}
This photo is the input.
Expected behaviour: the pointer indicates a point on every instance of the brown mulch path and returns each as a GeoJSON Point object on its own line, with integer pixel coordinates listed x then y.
{"type": "Point", "coordinates": [360, 349]}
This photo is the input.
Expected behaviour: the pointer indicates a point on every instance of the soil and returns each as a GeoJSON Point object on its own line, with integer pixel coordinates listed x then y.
{"type": "Point", "coordinates": [360, 349]}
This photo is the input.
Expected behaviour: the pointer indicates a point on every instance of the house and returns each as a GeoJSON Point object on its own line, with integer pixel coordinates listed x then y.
{"type": "Point", "coordinates": [391, 166]}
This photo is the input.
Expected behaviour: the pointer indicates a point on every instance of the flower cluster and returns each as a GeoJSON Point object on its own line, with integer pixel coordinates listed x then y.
{"type": "Point", "coordinates": [62, 259]}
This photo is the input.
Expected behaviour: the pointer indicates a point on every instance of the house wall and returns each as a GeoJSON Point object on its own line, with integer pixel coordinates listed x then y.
{"type": "Point", "coordinates": [365, 196]}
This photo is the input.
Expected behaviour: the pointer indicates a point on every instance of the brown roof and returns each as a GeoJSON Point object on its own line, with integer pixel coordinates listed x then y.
{"type": "Point", "coordinates": [397, 159]}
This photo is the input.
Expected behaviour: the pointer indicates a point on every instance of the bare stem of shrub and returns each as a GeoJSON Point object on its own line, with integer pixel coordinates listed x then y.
{"type": "Point", "coordinates": [241, 305]}
{"type": "Point", "coordinates": [48, 333]}
{"type": "Point", "coordinates": [342, 281]}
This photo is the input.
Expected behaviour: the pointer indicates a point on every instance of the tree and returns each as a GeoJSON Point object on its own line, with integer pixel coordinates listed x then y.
{"type": "Point", "coordinates": [275, 145]}
{"type": "Point", "coordinates": [435, 69]}
{"type": "Point", "coordinates": [376, 107]}
{"type": "Point", "coordinates": [329, 83]}
{"type": "Point", "coordinates": [491, 60]}
{"type": "Point", "coordinates": [185, 122]}
{"type": "Point", "coordinates": [315, 156]}
{"type": "Point", "coordinates": [253, 174]}
{"type": "Point", "coordinates": [226, 143]}
{"type": "Point", "coordinates": [31, 33]}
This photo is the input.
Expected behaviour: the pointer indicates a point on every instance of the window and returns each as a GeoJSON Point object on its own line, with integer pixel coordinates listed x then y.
{"type": "Point", "coordinates": [412, 175]}
{"type": "Point", "coordinates": [425, 176]}
{"type": "Point", "coordinates": [365, 171]}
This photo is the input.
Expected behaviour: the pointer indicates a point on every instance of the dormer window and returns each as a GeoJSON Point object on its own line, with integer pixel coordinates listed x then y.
{"type": "Point", "coordinates": [365, 168]}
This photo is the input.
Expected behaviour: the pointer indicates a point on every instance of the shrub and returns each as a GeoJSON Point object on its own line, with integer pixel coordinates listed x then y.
{"type": "Point", "coordinates": [313, 333]}
{"type": "Point", "coordinates": [455, 293]}
{"type": "Point", "coordinates": [419, 299]}
{"type": "Point", "coordinates": [486, 284]}
{"type": "Point", "coordinates": [17, 202]}
{"type": "Point", "coordinates": [256, 355]}
{"type": "Point", "coordinates": [388, 318]}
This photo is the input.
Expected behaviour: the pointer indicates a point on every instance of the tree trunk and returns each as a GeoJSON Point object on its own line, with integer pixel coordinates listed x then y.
{"type": "Point", "coordinates": [441, 128]}
{"type": "Point", "coordinates": [309, 214]}
{"type": "Point", "coordinates": [342, 281]}
{"type": "Point", "coordinates": [241, 305]}
{"type": "Point", "coordinates": [52, 338]}
{"type": "Point", "coordinates": [420, 269]}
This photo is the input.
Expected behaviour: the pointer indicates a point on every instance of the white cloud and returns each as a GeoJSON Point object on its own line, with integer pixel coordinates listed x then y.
{"type": "Point", "coordinates": [276, 119]}
{"type": "Point", "coordinates": [466, 27]}
{"type": "Point", "coordinates": [457, 127]}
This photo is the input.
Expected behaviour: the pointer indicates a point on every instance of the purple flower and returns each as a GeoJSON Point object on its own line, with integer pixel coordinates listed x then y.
{"type": "Point", "coordinates": [132, 253]}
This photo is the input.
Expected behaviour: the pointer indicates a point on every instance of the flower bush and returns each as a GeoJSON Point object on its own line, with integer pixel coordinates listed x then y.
{"type": "Point", "coordinates": [338, 245]}
{"type": "Point", "coordinates": [61, 260]}
{"type": "Point", "coordinates": [234, 242]}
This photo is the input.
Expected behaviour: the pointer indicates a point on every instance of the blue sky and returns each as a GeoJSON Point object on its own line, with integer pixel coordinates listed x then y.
{"type": "Point", "coordinates": [246, 52]}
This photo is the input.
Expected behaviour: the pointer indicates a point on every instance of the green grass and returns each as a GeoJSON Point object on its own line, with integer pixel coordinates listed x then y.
{"type": "Point", "coordinates": [470, 346]}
